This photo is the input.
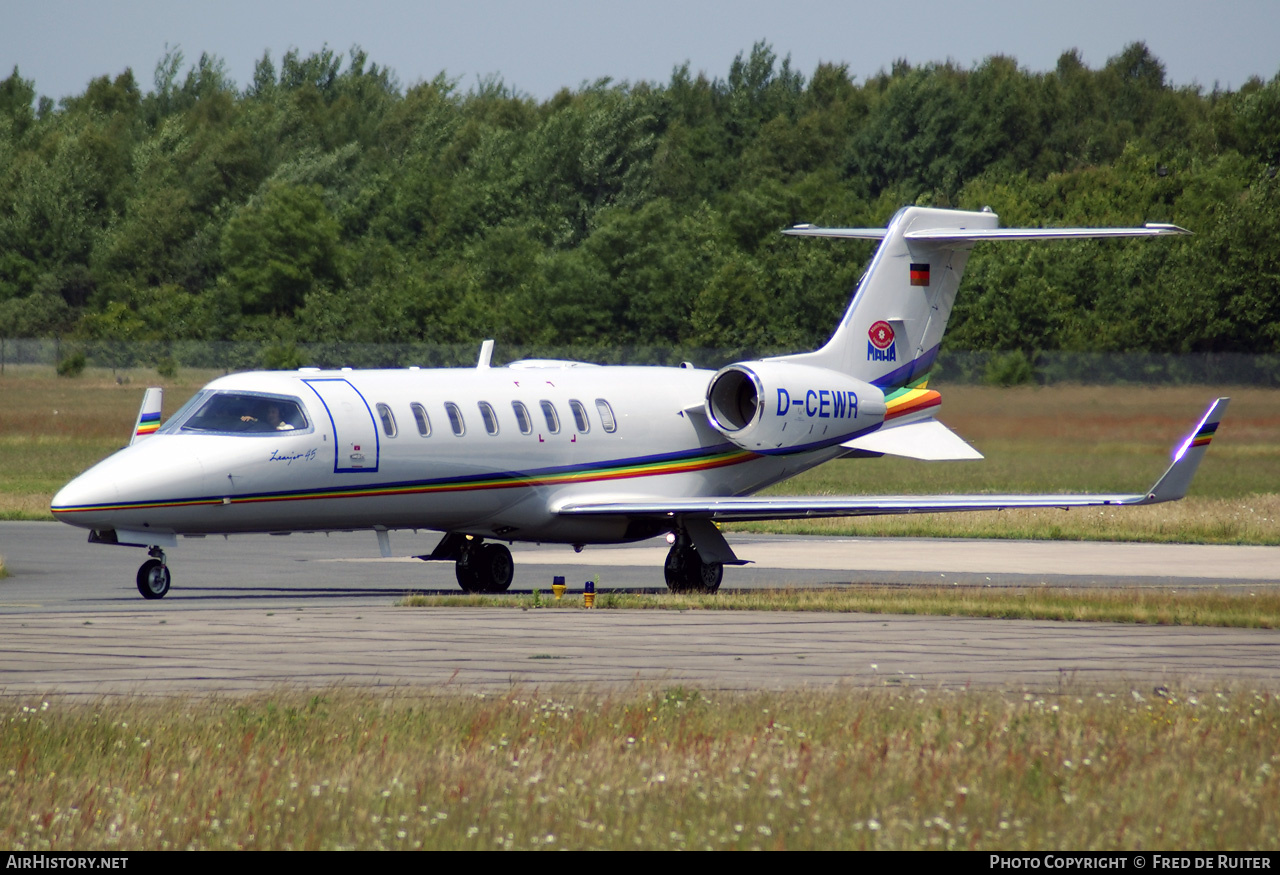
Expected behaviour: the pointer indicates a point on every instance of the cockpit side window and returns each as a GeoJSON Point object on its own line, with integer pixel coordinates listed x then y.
{"type": "Point", "coordinates": [246, 413]}
{"type": "Point", "coordinates": [173, 423]}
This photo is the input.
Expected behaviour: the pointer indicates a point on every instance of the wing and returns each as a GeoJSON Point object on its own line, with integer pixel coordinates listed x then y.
{"type": "Point", "coordinates": [1170, 487]}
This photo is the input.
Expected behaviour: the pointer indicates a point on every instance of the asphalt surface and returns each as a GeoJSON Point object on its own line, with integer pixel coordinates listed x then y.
{"type": "Point", "coordinates": [260, 612]}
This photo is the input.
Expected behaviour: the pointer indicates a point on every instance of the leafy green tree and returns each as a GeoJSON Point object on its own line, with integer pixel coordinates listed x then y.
{"type": "Point", "coordinates": [279, 248]}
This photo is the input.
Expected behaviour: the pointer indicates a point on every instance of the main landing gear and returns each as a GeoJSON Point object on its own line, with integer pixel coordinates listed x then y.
{"type": "Point", "coordinates": [686, 572]}
{"type": "Point", "coordinates": [485, 567]}
{"type": "Point", "coordinates": [153, 576]}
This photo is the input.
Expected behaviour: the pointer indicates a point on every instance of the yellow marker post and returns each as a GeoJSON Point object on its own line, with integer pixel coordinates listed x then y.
{"type": "Point", "coordinates": [589, 594]}
{"type": "Point", "coordinates": [558, 587]}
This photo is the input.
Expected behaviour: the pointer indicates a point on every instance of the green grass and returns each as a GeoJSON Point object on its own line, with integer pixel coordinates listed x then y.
{"type": "Point", "coordinates": [887, 768]}
{"type": "Point", "coordinates": [1246, 607]}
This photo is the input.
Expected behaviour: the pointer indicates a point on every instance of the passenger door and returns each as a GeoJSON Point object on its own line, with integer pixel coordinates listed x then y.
{"type": "Point", "coordinates": [355, 435]}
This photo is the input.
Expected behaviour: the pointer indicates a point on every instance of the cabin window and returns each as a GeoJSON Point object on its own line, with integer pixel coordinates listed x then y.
{"type": "Point", "coordinates": [388, 420]}
{"type": "Point", "coordinates": [243, 412]}
{"type": "Point", "coordinates": [606, 416]}
{"type": "Point", "coordinates": [420, 417]}
{"type": "Point", "coordinates": [553, 419]}
{"type": "Point", "coordinates": [455, 418]}
{"type": "Point", "coordinates": [490, 418]}
{"type": "Point", "coordinates": [580, 416]}
{"type": "Point", "coordinates": [522, 417]}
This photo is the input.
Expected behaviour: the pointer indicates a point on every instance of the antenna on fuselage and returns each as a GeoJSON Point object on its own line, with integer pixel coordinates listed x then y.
{"type": "Point", "coordinates": [486, 353]}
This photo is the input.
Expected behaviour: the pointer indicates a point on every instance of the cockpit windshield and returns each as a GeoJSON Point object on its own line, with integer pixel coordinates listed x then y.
{"type": "Point", "coordinates": [240, 412]}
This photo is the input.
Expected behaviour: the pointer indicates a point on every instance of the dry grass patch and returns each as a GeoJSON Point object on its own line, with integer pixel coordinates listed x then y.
{"type": "Point", "coordinates": [1244, 607]}
{"type": "Point", "coordinates": [662, 768]}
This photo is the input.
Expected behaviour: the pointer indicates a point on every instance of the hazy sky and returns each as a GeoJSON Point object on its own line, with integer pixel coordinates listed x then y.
{"type": "Point", "coordinates": [541, 46]}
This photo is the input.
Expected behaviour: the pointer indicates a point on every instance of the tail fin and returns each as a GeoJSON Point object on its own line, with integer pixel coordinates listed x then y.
{"type": "Point", "coordinates": [148, 415]}
{"type": "Point", "coordinates": [892, 330]}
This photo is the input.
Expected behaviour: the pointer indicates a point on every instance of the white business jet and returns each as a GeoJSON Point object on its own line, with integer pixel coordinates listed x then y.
{"type": "Point", "coordinates": [573, 453]}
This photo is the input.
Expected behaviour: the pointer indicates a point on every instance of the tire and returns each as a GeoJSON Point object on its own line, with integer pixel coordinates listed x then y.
{"type": "Point", "coordinates": [496, 568]}
{"type": "Point", "coordinates": [153, 579]}
{"type": "Point", "coordinates": [686, 572]}
{"type": "Point", "coordinates": [485, 568]}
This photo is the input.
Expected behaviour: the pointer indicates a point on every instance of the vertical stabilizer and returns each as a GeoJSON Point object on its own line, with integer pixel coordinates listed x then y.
{"type": "Point", "coordinates": [148, 415]}
{"type": "Point", "coordinates": [891, 332]}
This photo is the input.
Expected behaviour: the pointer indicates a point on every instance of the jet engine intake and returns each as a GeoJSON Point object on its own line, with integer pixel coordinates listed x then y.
{"type": "Point", "coordinates": [775, 408]}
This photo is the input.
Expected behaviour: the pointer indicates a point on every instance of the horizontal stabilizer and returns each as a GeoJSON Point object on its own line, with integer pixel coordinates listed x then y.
{"type": "Point", "coordinates": [975, 235]}
{"type": "Point", "coordinates": [928, 440]}
{"type": "Point", "coordinates": [841, 233]}
{"type": "Point", "coordinates": [1170, 487]}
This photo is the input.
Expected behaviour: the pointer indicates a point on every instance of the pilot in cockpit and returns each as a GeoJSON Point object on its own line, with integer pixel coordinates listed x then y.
{"type": "Point", "coordinates": [268, 418]}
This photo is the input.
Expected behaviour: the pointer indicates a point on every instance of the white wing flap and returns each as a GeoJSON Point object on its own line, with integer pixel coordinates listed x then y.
{"type": "Point", "coordinates": [928, 440]}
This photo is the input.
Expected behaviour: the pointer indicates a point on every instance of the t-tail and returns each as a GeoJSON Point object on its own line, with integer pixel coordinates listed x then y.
{"type": "Point", "coordinates": [865, 390]}
{"type": "Point", "coordinates": [890, 334]}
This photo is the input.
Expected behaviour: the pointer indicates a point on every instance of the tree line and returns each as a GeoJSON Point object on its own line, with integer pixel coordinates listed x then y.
{"type": "Point", "coordinates": [325, 201]}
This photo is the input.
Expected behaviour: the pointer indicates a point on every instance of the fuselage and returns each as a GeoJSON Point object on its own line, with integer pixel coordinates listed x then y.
{"type": "Point", "coordinates": [487, 451]}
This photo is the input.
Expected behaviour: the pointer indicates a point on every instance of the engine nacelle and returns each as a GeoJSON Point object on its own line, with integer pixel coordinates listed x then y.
{"type": "Point", "coordinates": [775, 408]}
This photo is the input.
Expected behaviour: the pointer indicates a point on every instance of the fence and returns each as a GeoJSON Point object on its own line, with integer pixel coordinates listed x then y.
{"type": "Point", "coordinates": [955, 367]}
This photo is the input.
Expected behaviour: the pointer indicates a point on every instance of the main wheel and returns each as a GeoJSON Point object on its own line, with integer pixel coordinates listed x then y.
{"type": "Point", "coordinates": [153, 579]}
{"type": "Point", "coordinates": [485, 568]}
{"type": "Point", "coordinates": [686, 572]}
{"type": "Point", "coordinates": [497, 568]}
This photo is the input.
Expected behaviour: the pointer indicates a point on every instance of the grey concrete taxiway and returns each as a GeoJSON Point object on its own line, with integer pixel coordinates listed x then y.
{"type": "Point", "coordinates": [304, 611]}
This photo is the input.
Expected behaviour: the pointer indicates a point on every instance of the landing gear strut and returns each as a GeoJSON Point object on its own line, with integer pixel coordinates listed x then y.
{"type": "Point", "coordinates": [153, 576]}
{"type": "Point", "coordinates": [485, 568]}
{"type": "Point", "coordinates": [686, 572]}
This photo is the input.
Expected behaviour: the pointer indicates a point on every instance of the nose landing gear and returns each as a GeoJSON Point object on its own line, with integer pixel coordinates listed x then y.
{"type": "Point", "coordinates": [153, 576]}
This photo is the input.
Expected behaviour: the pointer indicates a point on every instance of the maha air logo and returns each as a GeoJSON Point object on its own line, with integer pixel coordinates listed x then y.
{"type": "Point", "coordinates": [880, 347]}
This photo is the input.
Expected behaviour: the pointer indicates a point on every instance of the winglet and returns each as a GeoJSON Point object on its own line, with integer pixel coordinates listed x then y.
{"type": "Point", "coordinates": [148, 415]}
{"type": "Point", "coordinates": [1186, 459]}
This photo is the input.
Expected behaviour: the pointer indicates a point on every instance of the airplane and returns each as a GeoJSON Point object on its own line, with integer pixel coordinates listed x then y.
{"type": "Point", "coordinates": [574, 453]}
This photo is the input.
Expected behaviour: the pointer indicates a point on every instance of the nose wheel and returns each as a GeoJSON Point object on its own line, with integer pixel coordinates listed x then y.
{"type": "Point", "coordinates": [153, 576]}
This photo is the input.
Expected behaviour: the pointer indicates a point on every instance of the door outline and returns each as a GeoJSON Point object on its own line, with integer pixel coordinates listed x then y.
{"type": "Point", "coordinates": [337, 439]}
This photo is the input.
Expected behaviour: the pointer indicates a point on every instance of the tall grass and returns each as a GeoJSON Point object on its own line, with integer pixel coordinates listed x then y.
{"type": "Point", "coordinates": [661, 768]}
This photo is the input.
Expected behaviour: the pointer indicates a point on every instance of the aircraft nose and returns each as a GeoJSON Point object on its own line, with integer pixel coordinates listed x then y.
{"type": "Point", "coordinates": [87, 500]}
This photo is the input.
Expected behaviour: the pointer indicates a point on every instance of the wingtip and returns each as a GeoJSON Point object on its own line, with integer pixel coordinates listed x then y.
{"type": "Point", "coordinates": [1175, 482]}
